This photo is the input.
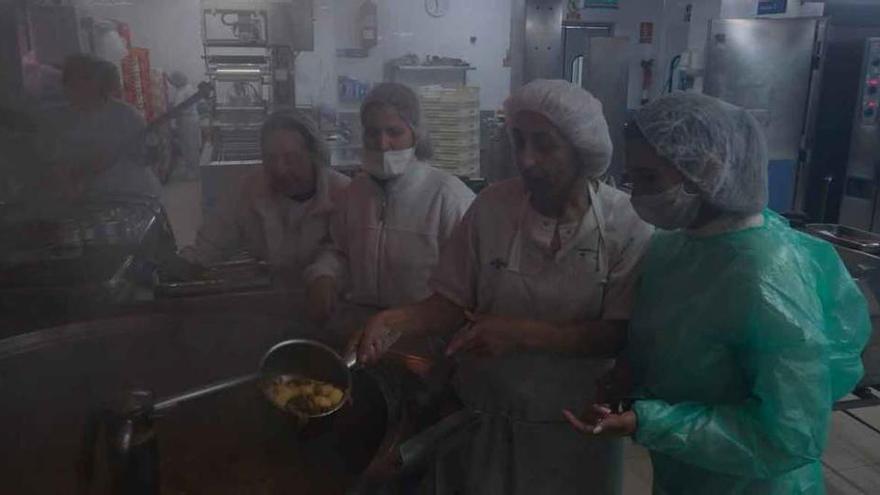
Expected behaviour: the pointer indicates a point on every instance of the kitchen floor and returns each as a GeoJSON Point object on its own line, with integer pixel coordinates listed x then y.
{"type": "Point", "coordinates": [851, 461]}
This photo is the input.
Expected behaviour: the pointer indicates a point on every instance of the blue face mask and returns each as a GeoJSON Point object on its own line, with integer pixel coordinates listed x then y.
{"type": "Point", "coordinates": [672, 209]}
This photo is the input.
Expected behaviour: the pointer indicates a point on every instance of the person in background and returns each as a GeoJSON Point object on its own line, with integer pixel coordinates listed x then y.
{"type": "Point", "coordinates": [281, 212]}
{"type": "Point", "coordinates": [186, 125]}
{"type": "Point", "coordinates": [394, 218]}
{"type": "Point", "coordinates": [541, 274]}
{"type": "Point", "coordinates": [94, 144]}
{"type": "Point", "coordinates": [744, 332]}
{"type": "Point", "coordinates": [111, 84]}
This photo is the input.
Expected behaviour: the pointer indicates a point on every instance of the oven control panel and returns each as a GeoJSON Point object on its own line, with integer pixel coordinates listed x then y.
{"type": "Point", "coordinates": [870, 102]}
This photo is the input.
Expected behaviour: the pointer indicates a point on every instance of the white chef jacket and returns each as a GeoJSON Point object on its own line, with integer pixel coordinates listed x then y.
{"type": "Point", "coordinates": [387, 236]}
{"type": "Point", "coordinates": [271, 226]}
{"type": "Point", "coordinates": [500, 261]}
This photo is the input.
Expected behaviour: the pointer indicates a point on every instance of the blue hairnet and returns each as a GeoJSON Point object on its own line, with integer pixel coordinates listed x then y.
{"type": "Point", "coordinates": [717, 146]}
{"type": "Point", "coordinates": [575, 112]}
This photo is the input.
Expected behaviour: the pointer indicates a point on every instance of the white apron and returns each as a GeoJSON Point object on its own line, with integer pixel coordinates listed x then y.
{"type": "Point", "coordinates": [523, 444]}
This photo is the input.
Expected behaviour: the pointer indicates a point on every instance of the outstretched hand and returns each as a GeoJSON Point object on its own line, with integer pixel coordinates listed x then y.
{"type": "Point", "coordinates": [599, 420]}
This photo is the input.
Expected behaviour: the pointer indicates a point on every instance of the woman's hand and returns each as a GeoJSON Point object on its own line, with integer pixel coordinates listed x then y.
{"type": "Point", "coordinates": [378, 335]}
{"type": "Point", "coordinates": [599, 420]}
{"type": "Point", "coordinates": [488, 335]}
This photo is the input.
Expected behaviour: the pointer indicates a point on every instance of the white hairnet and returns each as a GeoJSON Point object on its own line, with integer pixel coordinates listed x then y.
{"type": "Point", "coordinates": [575, 112]}
{"type": "Point", "coordinates": [717, 146]}
{"type": "Point", "coordinates": [406, 103]}
{"type": "Point", "coordinates": [294, 120]}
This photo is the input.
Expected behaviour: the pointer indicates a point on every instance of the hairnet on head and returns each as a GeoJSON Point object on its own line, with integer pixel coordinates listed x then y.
{"type": "Point", "coordinates": [406, 103]}
{"type": "Point", "coordinates": [717, 146]}
{"type": "Point", "coordinates": [178, 79]}
{"type": "Point", "coordinates": [575, 112]}
{"type": "Point", "coordinates": [293, 120]}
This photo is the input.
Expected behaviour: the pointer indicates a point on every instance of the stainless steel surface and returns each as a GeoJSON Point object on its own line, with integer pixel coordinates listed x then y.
{"type": "Point", "coordinates": [292, 24]}
{"type": "Point", "coordinates": [607, 77]}
{"type": "Point", "coordinates": [846, 236]}
{"type": "Point", "coordinates": [517, 55]}
{"type": "Point", "coordinates": [543, 39]}
{"type": "Point", "coordinates": [234, 24]}
{"type": "Point", "coordinates": [765, 66]}
{"type": "Point", "coordinates": [587, 61]}
{"type": "Point", "coordinates": [236, 146]}
{"type": "Point", "coordinates": [109, 228]}
{"type": "Point", "coordinates": [804, 172]}
{"type": "Point", "coordinates": [575, 44]}
{"type": "Point", "coordinates": [859, 204]}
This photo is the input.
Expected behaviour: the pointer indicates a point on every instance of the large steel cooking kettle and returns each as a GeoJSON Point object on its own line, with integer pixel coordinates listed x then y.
{"type": "Point", "coordinates": [131, 448]}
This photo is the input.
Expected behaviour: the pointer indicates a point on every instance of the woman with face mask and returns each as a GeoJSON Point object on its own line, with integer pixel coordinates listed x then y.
{"type": "Point", "coordinates": [396, 215]}
{"type": "Point", "coordinates": [744, 332]}
{"type": "Point", "coordinates": [533, 292]}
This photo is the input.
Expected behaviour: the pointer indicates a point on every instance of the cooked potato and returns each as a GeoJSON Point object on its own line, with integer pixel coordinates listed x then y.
{"type": "Point", "coordinates": [335, 396]}
{"type": "Point", "coordinates": [303, 395]}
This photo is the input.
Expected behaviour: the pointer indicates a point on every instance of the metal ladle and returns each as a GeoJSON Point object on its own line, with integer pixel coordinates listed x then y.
{"type": "Point", "coordinates": [297, 357]}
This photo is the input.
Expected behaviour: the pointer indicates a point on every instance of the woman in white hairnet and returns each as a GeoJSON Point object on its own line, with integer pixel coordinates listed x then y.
{"type": "Point", "coordinates": [540, 273]}
{"type": "Point", "coordinates": [281, 212]}
{"type": "Point", "coordinates": [186, 125]}
{"type": "Point", "coordinates": [744, 332]}
{"type": "Point", "coordinates": [94, 143]}
{"type": "Point", "coordinates": [395, 217]}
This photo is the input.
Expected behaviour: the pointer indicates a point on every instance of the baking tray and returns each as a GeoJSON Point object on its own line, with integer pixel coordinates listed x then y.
{"type": "Point", "coordinates": [846, 236]}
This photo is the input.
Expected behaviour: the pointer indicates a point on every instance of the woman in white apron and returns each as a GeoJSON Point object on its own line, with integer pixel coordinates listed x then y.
{"type": "Point", "coordinates": [540, 271]}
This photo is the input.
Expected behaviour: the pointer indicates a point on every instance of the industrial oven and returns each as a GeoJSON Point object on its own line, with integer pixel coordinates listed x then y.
{"type": "Point", "coordinates": [844, 168]}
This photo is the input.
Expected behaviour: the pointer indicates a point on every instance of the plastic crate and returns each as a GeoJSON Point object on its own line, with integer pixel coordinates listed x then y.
{"type": "Point", "coordinates": [459, 156]}
{"type": "Point", "coordinates": [441, 95]}
{"type": "Point", "coordinates": [432, 112]}
{"type": "Point", "coordinates": [469, 143]}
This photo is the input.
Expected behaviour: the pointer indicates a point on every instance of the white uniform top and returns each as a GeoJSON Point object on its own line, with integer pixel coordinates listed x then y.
{"type": "Point", "coordinates": [500, 261]}
{"type": "Point", "coordinates": [112, 130]}
{"type": "Point", "coordinates": [273, 227]}
{"type": "Point", "coordinates": [387, 237]}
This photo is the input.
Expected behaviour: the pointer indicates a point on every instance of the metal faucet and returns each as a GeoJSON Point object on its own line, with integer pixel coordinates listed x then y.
{"type": "Point", "coordinates": [130, 446]}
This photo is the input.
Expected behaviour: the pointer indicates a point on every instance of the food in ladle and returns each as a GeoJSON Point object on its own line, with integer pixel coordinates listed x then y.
{"type": "Point", "coordinates": [303, 395]}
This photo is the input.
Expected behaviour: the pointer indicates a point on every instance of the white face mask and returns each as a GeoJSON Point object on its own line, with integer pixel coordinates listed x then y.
{"type": "Point", "coordinates": [388, 164]}
{"type": "Point", "coordinates": [671, 209]}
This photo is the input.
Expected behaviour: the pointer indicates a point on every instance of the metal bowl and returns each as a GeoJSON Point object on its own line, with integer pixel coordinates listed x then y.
{"type": "Point", "coordinates": [308, 359]}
